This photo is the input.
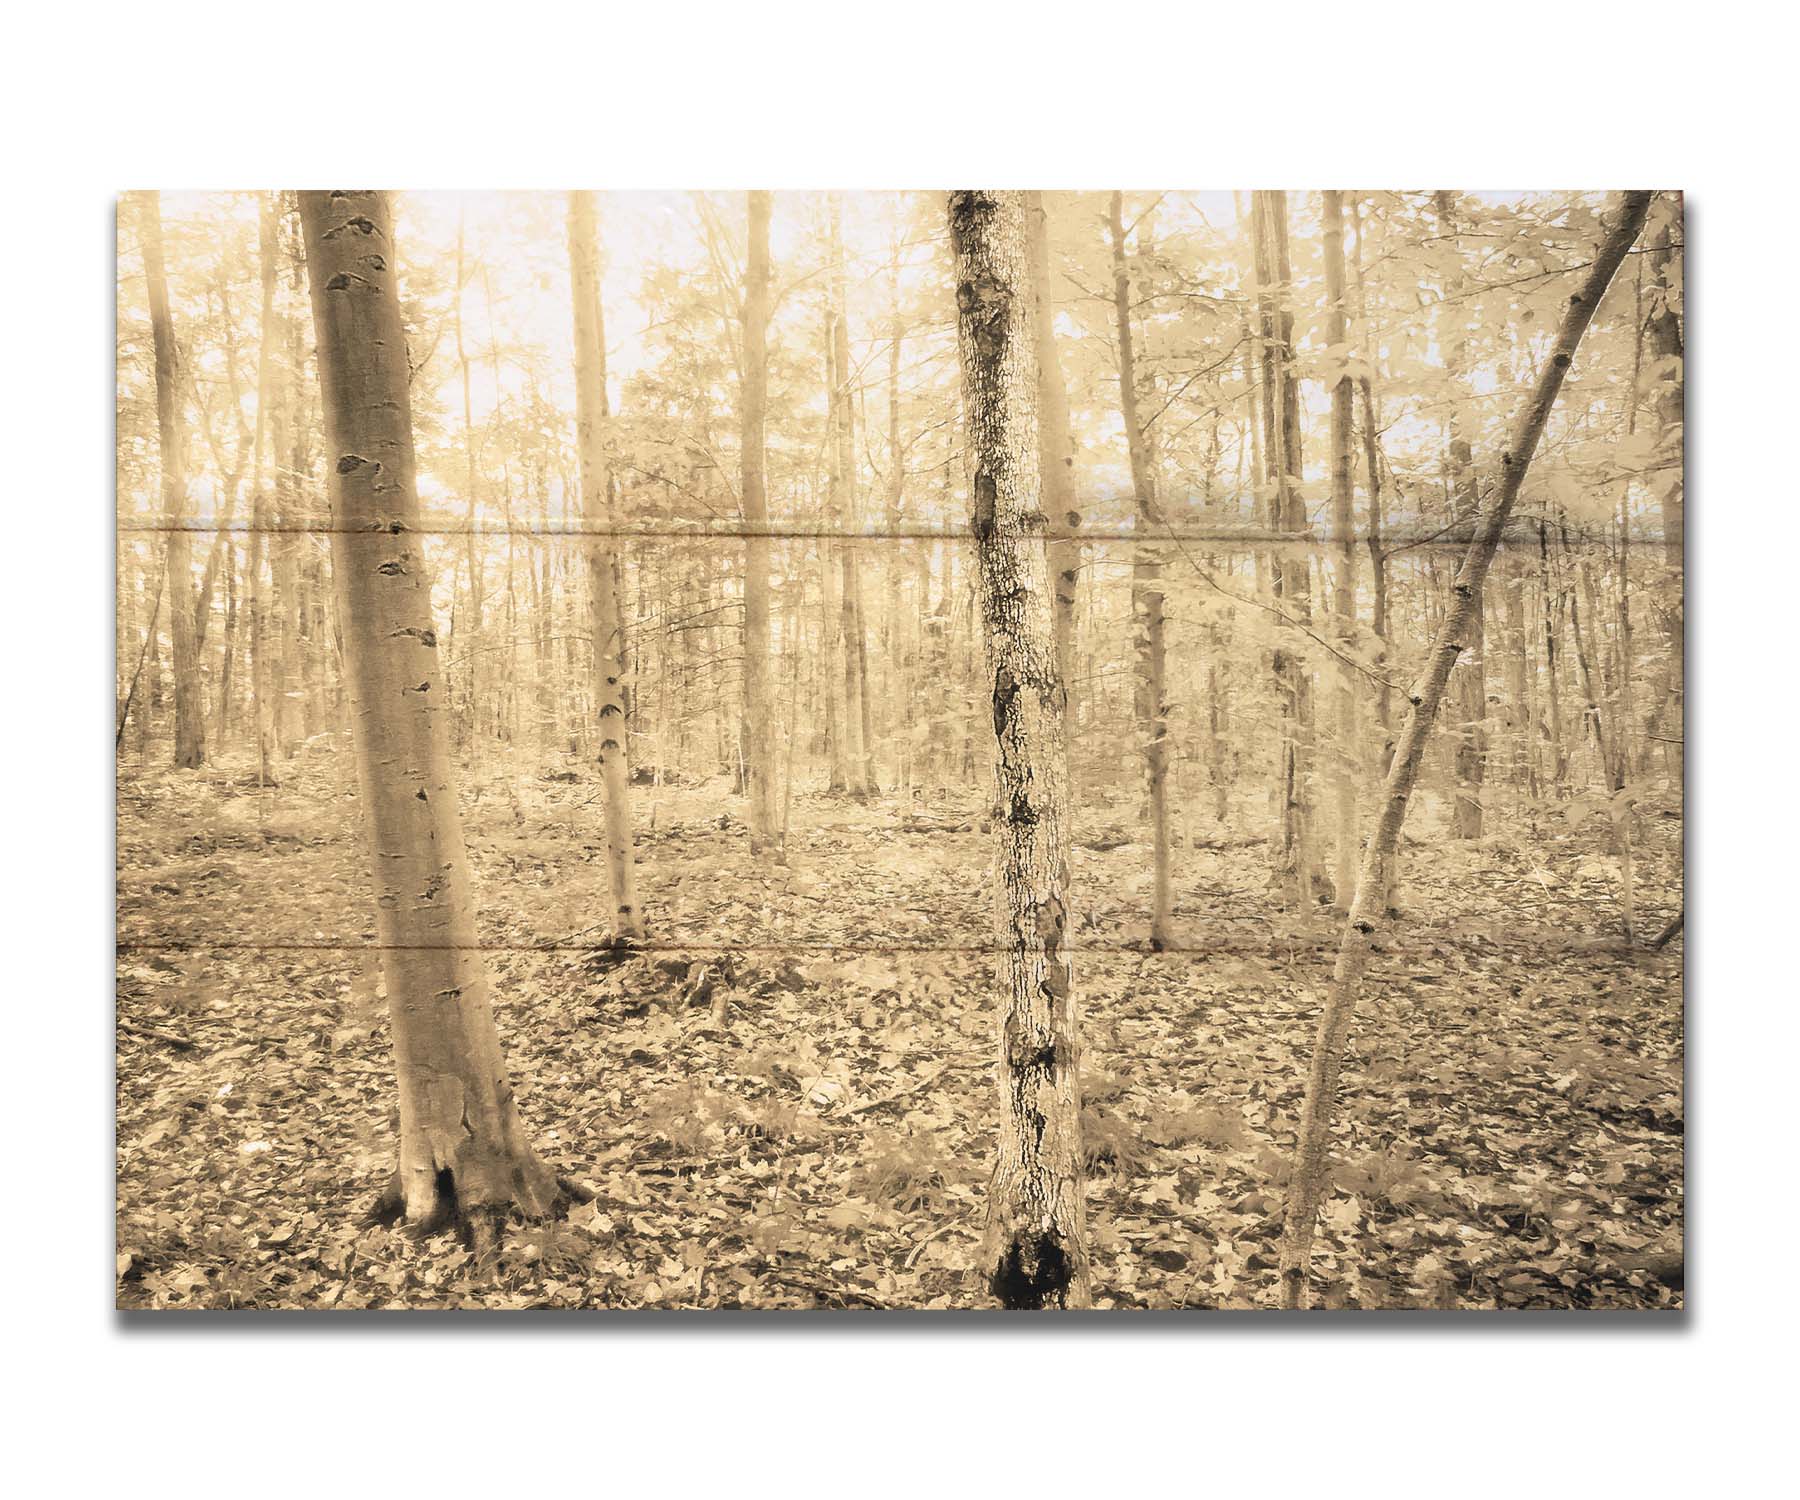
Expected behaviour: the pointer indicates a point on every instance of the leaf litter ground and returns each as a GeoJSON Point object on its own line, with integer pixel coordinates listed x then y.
{"type": "Point", "coordinates": [787, 1100]}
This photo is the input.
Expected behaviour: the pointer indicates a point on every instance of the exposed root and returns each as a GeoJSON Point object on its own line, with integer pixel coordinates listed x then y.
{"type": "Point", "coordinates": [479, 1226]}
{"type": "Point", "coordinates": [387, 1210]}
{"type": "Point", "coordinates": [577, 1191]}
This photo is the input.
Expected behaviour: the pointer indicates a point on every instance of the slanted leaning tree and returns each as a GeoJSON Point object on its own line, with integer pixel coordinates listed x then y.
{"type": "Point", "coordinates": [603, 592]}
{"type": "Point", "coordinates": [463, 1157]}
{"type": "Point", "coordinates": [1035, 1251]}
{"type": "Point", "coordinates": [1367, 912]}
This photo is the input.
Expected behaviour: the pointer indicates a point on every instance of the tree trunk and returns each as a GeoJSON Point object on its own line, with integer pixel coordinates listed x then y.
{"type": "Point", "coordinates": [228, 647]}
{"type": "Point", "coordinates": [190, 738]}
{"type": "Point", "coordinates": [146, 652]}
{"type": "Point", "coordinates": [471, 632]}
{"type": "Point", "coordinates": [842, 461]}
{"type": "Point", "coordinates": [1667, 352]}
{"type": "Point", "coordinates": [1290, 568]}
{"type": "Point", "coordinates": [1364, 924]}
{"type": "Point", "coordinates": [1343, 525]}
{"type": "Point", "coordinates": [1524, 759]}
{"type": "Point", "coordinates": [1371, 446]}
{"type": "Point", "coordinates": [463, 1154]}
{"type": "Point", "coordinates": [1035, 1251]}
{"type": "Point", "coordinates": [899, 658]}
{"type": "Point", "coordinates": [596, 508]}
{"type": "Point", "coordinates": [1058, 444]}
{"type": "Point", "coordinates": [759, 711]}
{"type": "Point", "coordinates": [287, 431]}
{"type": "Point", "coordinates": [831, 593]}
{"type": "Point", "coordinates": [1146, 597]}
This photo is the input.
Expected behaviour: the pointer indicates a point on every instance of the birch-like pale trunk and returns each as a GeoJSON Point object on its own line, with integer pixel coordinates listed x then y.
{"type": "Point", "coordinates": [607, 627]}
{"type": "Point", "coordinates": [1365, 922]}
{"type": "Point", "coordinates": [463, 1155]}
{"type": "Point", "coordinates": [1035, 1251]}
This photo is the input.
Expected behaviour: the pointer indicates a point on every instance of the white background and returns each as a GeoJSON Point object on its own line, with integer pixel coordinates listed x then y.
{"type": "Point", "coordinates": [1133, 94]}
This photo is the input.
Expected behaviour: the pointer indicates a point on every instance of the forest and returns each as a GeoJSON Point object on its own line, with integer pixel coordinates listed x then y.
{"type": "Point", "coordinates": [900, 750]}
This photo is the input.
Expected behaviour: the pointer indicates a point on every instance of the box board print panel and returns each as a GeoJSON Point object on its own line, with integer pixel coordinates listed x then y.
{"type": "Point", "coordinates": [909, 750]}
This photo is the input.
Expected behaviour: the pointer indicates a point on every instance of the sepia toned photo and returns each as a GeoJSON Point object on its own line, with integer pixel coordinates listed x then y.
{"type": "Point", "coordinates": [941, 749]}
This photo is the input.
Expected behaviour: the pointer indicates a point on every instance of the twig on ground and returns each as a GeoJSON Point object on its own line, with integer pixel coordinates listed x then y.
{"type": "Point", "coordinates": [137, 1028]}
{"type": "Point", "coordinates": [930, 1076]}
{"type": "Point", "coordinates": [912, 1257]}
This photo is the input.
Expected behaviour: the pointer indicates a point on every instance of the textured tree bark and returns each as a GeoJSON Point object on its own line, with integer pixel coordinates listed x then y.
{"type": "Point", "coordinates": [596, 505]}
{"type": "Point", "coordinates": [190, 737]}
{"type": "Point", "coordinates": [1364, 923]}
{"type": "Point", "coordinates": [759, 712]}
{"type": "Point", "coordinates": [1146, 597]}
{"type": "Point", "coordinates": [1343, 526]}
{"type": "Point", "coordinates": [463, 1155]}
{"type": "Point", "coordinates": [1035, 1251]}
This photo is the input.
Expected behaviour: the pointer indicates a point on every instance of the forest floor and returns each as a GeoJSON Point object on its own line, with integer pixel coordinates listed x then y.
{"type": "Point", "coordinates": [1510, 1136]}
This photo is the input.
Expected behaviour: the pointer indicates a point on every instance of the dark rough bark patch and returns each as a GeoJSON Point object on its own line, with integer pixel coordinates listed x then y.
{"type": "Point", "coordinates": [1005, 690]}
{"type": "Point", "coordinates": [983, 520]}
{"type": "Point", "coordinates": [358, 222]}
{"type": "Point", "coordinates": [1033, 1274]}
